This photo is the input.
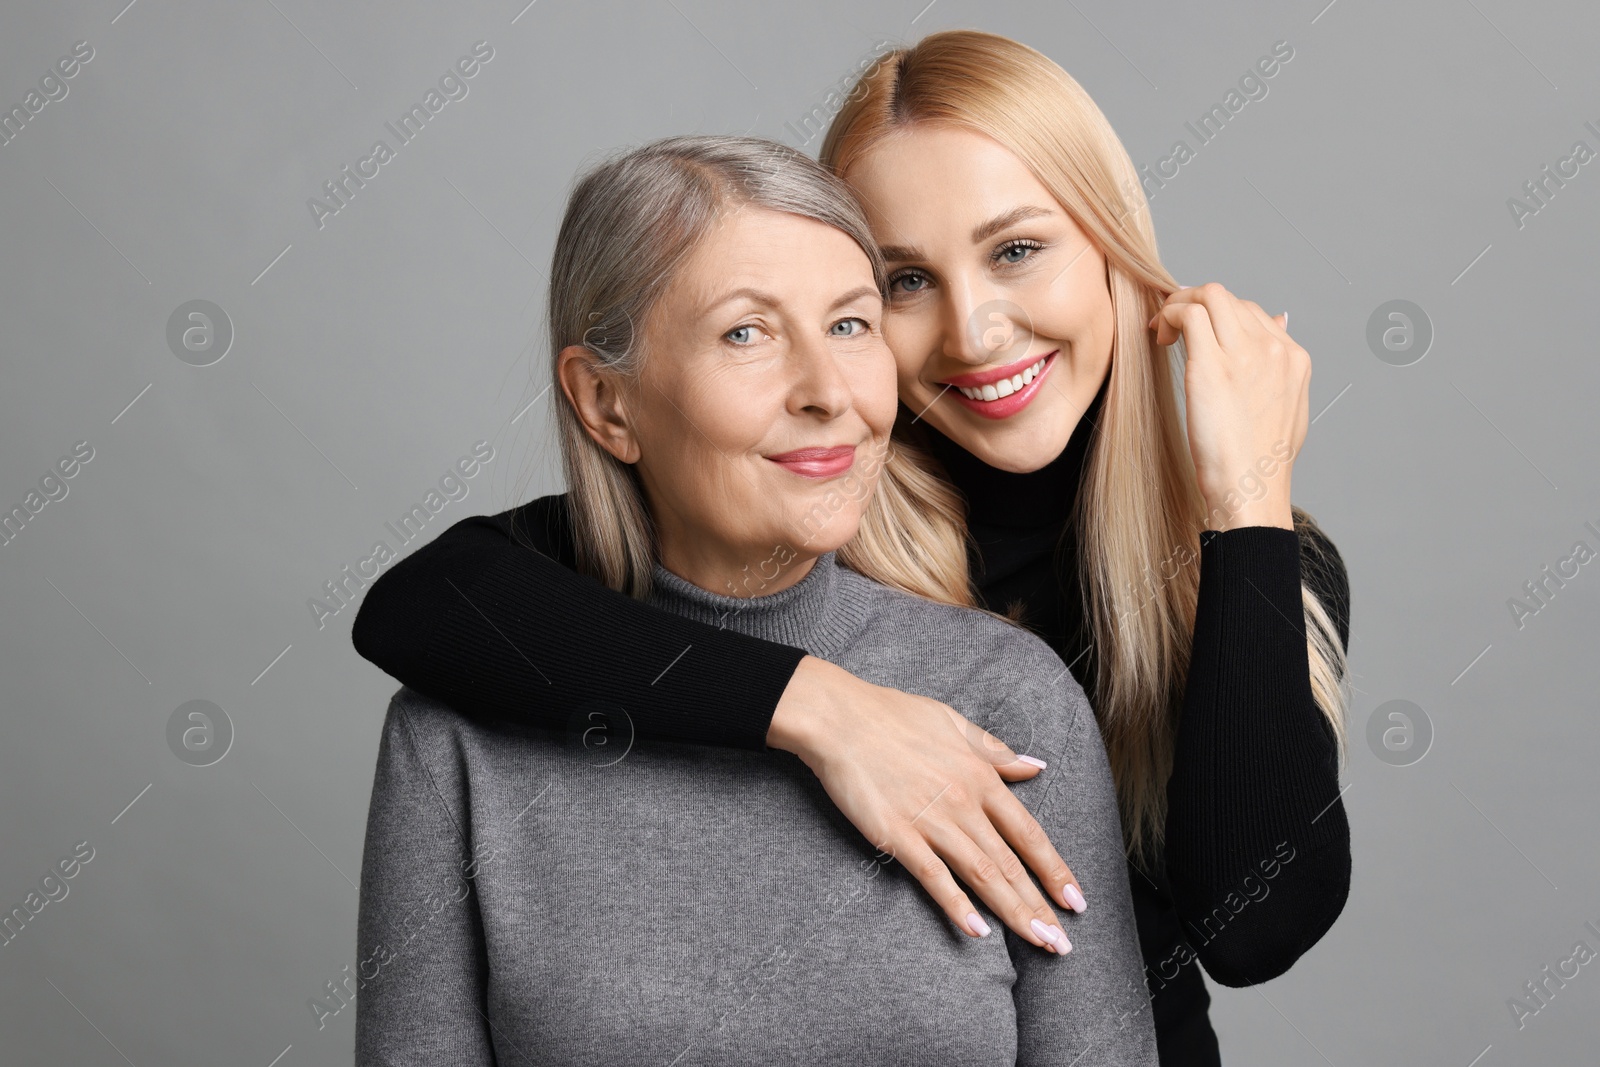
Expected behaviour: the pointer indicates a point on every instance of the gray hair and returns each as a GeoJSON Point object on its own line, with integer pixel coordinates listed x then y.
{"type": "Point", "coordinates": [630, 224]}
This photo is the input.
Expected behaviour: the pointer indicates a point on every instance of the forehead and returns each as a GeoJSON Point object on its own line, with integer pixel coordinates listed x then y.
{"type": "Point", "coordinates": [783, 253]}
{"type": "Point", "coordinates": [924, 178]}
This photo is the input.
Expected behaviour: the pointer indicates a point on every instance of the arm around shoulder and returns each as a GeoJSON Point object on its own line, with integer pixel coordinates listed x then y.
{"type": "Point", "coordinates": [488, 622]}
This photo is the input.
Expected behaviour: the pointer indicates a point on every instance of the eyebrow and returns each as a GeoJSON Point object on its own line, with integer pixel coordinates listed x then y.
{"type": "Point", "coordinates": [901, 254]}
{"type": "Point", "coordinates": [982, 232]}
{"type": "Point", "coordinates": [986, 230]}
{"type": "Point", "coordinates": [762, 297]}
{"type": "Point", "coordinates": [856, 294]}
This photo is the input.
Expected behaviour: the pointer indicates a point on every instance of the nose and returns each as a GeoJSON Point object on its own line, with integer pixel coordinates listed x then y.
{"type": "Point", "coordinates": [976, 329]}
{"type": "Point", "coordinates": [820, 386]}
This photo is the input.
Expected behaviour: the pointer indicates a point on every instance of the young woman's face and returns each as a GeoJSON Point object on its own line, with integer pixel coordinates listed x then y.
{"type": "Point", "coordinates": [999, 313]}
{"type": "Point", "coordinates": [764, 405]}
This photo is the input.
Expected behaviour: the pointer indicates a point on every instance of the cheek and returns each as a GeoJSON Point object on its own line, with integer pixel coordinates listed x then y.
{"type": "Point", "coordinates": [913, 339]}
{"type": "Point", "coordinates": [701, 425]}
{"type": "Point", "coordinates": [1076, 305]}
{"type": "Point", "coordinates": [677, 408]}
{"type": "Point", "coordinates": [877, 394]}
{"type": "Point", "coordinates": [674, 452]}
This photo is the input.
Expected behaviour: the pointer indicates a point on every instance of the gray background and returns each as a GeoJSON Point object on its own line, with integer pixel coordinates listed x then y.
{"type": "Point", "coordinates": [377, 349]}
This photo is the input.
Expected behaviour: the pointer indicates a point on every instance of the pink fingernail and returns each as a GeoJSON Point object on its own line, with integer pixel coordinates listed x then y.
{"type": "Point", "coordinates": [1039, 763]}
{"type": "Point", "coordinates": [1074, 898]}
{"type": "Point", "coordinates": [977, 925]}
{"type": "Point", "coordinates": [1053, 934]}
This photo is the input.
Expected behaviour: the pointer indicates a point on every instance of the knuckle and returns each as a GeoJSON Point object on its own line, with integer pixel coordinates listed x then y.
{"type": "Point", "coordinates": [985, 872]}
{"type": "Point", "coordinates": [929, 868]}
{"type": "Point", "coordinates": [1213, 290]}
{"type": "Point", "coordinates": [958, 795]}
{"type": "Point", "coordinates": [1012, 868]}
{"type": "Point", "coordinates": [1030, 834]}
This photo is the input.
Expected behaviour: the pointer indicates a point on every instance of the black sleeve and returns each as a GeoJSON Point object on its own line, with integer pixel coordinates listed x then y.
{"type": "Point", "coordinates": [491, 619]}
{"type": "Point", "coordinates": [1255, 824]}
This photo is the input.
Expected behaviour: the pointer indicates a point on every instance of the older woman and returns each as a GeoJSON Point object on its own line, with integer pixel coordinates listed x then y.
{"type": "Point", "coordinates": [727, 402]}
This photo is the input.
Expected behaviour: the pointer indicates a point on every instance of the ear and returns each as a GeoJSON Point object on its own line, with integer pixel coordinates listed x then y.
{"type": "Point", "coordinates": [596, 394]}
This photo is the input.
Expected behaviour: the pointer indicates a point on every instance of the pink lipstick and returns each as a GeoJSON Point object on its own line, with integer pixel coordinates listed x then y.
{"type": "Point", "coordinates": [817, 462]}
{"type": "Point", "coordinates": [1000, 392]}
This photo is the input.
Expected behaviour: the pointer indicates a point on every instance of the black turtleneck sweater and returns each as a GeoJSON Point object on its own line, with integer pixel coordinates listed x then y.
{"type": "Point", "coordinates": [1256, 862]}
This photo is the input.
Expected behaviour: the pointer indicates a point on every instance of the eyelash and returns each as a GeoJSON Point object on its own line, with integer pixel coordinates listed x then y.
{"type": "Point", "coordinates": [866, 327]}
{"type": "Point", "coordinates": [995, 257]}
{"type": "Point", "coordinates": [1021, 242]}
{"type": "Point", "coordinates": [742, 326]}
{"type": "Point", "coordinates": [901, 276]}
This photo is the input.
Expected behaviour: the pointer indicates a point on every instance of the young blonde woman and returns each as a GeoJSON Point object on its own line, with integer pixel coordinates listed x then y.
{"type": "Point", "coordinates": [1032, 325]}
{"type": "Point", "coordinates": [695, 905]}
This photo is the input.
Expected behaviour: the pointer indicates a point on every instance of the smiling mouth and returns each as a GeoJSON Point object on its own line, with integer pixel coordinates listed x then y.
{"type": "Point", "coordinates": [1001, 392]}
{"type": "Point", "coordinates": [817, 462]}
{"type": "Point", "coordinates": [1003, 387]}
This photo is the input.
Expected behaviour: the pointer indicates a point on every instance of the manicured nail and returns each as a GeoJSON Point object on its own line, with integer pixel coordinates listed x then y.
{"type": "Point", "coordinates": [1030, 761]}
{"type": "Point", "coordinates": [1152, 323]}
{"type": "Point", "coordinates": [1074, 898]}
{"type": "Point", "coordinates": [976, 924]}
{"type": "Point", "coordinates": [1053, 934]}
{"type": "Point", "coordinates": [1285, 320]}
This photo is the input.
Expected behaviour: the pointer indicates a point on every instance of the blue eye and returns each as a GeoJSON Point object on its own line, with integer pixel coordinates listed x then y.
{"type": "Point", "coordinates": [849, 327]}
{"type": "Point", "coordinates": [740, 335]}
{"type": "Point", "coordinates": [909, 282]}
{"type": "Point", "coordinates": [1015, 252]}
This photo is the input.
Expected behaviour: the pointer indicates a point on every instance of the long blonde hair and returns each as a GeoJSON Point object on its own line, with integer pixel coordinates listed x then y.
{"type": "Point", "coordinates": [630, 224]}
{"type": "Point", "coordinates": [1139, 500]}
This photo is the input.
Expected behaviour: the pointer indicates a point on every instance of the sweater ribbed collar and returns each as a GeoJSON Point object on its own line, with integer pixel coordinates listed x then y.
{"type": "Point", "coordinates": [821, 613]}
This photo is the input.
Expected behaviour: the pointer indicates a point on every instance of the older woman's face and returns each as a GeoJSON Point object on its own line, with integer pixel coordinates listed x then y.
{"type": "Point", "coordinates": [999, 313]}
{"type": "Point", "coordinates": [764, 405]}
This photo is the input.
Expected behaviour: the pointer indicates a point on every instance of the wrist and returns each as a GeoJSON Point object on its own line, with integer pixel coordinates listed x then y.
{"type": "Point", "coordinates": [1253, 513]}
{"type": "Point", "coordinates": [805, 708]}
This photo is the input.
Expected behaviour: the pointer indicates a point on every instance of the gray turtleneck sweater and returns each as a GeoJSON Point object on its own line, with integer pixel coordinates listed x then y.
{"type": "Point", "coordinates": [528, 898]}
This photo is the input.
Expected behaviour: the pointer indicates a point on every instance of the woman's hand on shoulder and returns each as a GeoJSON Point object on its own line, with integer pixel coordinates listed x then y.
{"type": "Point", "coordinates": [928, 787]}
{"type": "Point", "coordinates": [1247, 388]}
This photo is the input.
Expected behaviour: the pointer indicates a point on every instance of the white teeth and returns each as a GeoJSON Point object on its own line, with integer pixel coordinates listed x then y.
{"type": "Point", "coordinates": [1004, 387]}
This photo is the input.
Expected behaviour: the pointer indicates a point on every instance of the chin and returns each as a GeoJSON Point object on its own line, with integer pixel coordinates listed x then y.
{"type": "Point", "coordinates": [1019, 448]}
{"type": "Point", "coordinates": [823, 538]}
{"type": "Point", "coordinates": [822, 516]}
